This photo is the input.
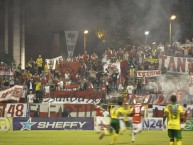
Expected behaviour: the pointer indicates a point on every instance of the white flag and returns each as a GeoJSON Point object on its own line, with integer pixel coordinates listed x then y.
{"type": "Point", "coordinates": [71, 39]}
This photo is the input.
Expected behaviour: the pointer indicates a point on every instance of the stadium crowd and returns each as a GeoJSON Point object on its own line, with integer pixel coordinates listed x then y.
{"type": "Point", "coordinates": [41, 76]}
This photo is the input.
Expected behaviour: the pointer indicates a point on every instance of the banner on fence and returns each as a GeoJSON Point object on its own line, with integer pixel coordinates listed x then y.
{"type": "Point", "coordinates": [149, 73]}
{"type": "Point", "coordinates": [61, 110]}
{"type": "Point", "coordinates": [6, 73]}
{"type": "Point", "coordinates": [13, 110]}
{"type": "Point", "coordinates": [74, 97]}
{"type": "Point", "coordinates": [47, 110]}
{"type": "Point", "coordinates": [26, 123]}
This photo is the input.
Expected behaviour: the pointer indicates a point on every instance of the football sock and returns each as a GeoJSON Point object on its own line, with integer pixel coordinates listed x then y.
{"type": "Point", "coordinates": [133, 137]}
{"type": "Point", "coordinates": [171, 141]}
{"type": "Point", "coordinates": [179, 142]}
{"type": "Point", "coordinates": [114, 138]}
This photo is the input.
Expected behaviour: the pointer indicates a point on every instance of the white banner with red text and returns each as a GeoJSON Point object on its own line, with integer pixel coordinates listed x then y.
{"type": "Point", "coordinates": [149, 73]}
{"type": "Point", "coordinates": [6, 73]}
{"type": "Point", "coordinates": [74, 97]}
{"type": "Point", "coordinates": [175, 64]}
{"type": "Point", "coordinates": [12, 94]}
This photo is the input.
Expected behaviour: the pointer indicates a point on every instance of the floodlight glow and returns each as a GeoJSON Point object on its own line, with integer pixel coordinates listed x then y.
{"type": "Point", "coordinates": [146, 32]}
{"type": "Point", "coordinates": [85, 31]}
{"type": "Point", "coordinates": [173, 17]}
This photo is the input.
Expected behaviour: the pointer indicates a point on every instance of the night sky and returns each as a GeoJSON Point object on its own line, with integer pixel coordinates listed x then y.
{"type": "Point", "coordinates": [124, 20]}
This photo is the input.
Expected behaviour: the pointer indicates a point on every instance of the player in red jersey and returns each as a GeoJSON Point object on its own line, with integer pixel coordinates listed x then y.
{"type": "Point", "coordinates": [185, 115]}
{"type": "Point", "coordinates": [137, 117]}
{"type": "Point", "coordinates": [99, 114]}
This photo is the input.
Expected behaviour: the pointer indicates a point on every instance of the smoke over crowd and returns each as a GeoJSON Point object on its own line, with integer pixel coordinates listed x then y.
{"type": "Point", "coordinates": [127, 18]}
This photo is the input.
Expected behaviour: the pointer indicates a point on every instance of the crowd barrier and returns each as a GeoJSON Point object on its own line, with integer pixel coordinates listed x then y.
{"type": "Point", "coordinates": [73, 123]}
{"type": "Point", "coordinates": [46, 110]}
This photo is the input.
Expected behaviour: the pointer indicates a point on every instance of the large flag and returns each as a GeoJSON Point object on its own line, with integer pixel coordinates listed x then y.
{"type": "Point", "coordinates": [175, 65]}
{"type": "Point", "coordinates": [12, 94]}
{"type": "Point", "coordinates": [71, 39]}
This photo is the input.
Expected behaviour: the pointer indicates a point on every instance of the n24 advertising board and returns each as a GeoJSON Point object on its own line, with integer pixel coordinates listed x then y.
{"type": "Point", "coordinates": [152, 124]}
{"type": "Point", "coordinates": [35, 123]}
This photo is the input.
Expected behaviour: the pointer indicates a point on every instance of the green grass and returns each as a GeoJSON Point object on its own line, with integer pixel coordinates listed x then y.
{"type": "Point", "coordinates": [85, 138]}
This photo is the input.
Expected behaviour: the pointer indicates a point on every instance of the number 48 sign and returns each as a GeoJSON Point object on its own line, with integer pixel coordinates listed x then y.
{"type": "Point", "coordinates": [15, 110]}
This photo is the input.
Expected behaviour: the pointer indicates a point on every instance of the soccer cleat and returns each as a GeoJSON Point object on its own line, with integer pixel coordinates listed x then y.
{"type": "Point", "coordinates": [101, 136]}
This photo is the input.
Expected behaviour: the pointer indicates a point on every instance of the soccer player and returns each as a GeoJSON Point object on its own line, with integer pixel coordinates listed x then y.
{"type": "Point", "coordinates": [99, 114]}
{"type": "Point", "coordinates": [125, 113]}
{"type": "Point", "coordinates": [185, 115]}
{"type": "Point", "coordinates": [174, 114]}
{"type": "Point", "coordinates": [115, 124]}
{"type": "Point", "coordinates": [138, 111]}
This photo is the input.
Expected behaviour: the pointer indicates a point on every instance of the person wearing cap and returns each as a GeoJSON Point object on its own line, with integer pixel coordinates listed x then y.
{"type": "Point", "coordinates": [173, 112]}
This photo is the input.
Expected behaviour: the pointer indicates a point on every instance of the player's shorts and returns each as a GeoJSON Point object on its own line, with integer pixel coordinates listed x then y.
{"type": "Point", "coordinates": [99, 120]}
{"type": "Point", "coordinates": [103, 120]}
{"type": "Point", "coordinates": [115, 125]}
{"type": "Point", "coordinates": [174, 134]}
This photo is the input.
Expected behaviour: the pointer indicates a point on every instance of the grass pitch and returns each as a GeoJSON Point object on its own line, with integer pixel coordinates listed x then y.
{"type": "Point", "coordinates": [86, 138]}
